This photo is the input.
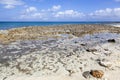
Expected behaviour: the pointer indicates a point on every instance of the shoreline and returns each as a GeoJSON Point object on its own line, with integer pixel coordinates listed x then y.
{"type": "Point", "coordinates": [68, 53]}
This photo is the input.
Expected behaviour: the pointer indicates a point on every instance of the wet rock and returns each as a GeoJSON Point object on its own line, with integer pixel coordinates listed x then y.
{"type": "Point", "coordinates": [97, 73]}
{"type": "Point", "coordinates": [111, 40]}
{"type": "Point", "coordinates": [86, 74]}
{"type": "Point", "coordinates": [91, 50]}
{"type": "Point", "coordinates": [83, 44]}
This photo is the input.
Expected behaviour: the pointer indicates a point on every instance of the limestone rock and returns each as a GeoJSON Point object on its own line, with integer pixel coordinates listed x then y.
{"type": "Point", "coordinates": [105, 63]}
{"type": "Point", "coordinates": [86, 74]}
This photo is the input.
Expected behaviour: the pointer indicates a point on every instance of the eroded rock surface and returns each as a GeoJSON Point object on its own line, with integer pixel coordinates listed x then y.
{"type": "Point", "coordinates": [66, 56]}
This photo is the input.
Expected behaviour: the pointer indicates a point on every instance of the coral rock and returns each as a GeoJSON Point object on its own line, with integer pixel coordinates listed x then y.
{"type": "Point", "coordinates": [97, 73]}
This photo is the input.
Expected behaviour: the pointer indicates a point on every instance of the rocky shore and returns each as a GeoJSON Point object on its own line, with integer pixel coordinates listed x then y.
{"type": "Point", "coordinates": [69, 52]}
{"type": "Point", "coordinates": [37, 33]}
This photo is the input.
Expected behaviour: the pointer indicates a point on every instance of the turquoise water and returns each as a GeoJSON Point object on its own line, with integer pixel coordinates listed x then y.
{"type": "Point", "coordinates": [9, 25]}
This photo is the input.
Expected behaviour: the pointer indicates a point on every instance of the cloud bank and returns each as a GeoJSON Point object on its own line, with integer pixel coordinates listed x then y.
{"type": "Point", "coordinates": [55, 12]}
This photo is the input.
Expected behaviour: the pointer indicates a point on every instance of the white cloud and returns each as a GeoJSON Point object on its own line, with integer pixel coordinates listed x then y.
{"type": "Point", "coordinates": [69, 13]}
{"type": "Point", "coordinates": [37, 15]}
{"type": "Point", "coordinates": [32, 16]}
{"type": "Point", "coordinates": [31, 9]}
{"type": "Point", "coordinates": [11, 3]}
{"type": "Point", "coordinates": [57, 14]}
{"type": "Point", "coordinates": [9, 6]}
{"type": "Point", "coordinates": [31, 13]}
{"type": "Point", "coordinates": [106, 13]}
{"type": "Point", "coordinates": [34, 13]}
{"type": "Point", "coordinates": [50, 14]}
{"type": "Point", "coordinates": [55, 8]}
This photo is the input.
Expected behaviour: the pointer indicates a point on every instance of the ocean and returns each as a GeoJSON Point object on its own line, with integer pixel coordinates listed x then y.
{"type": "Point", "coordinates": [9, 25]}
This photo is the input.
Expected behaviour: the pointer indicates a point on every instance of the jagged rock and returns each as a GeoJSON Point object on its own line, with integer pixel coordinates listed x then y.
{"type": "Point", "coordinates": [97, 73]}
{"type": "Point", "coordinates": [105, 63]}
{"type": "Point", "coordinates": [111, 40]}
{"type": "Point", "coordinates": [87, 74]}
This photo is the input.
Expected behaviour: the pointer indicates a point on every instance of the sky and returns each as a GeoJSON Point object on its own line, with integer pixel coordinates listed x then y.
{"type": "Point", "coordinates": [59, 10]}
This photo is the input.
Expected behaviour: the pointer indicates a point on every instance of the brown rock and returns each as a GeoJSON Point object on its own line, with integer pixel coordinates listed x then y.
{"type": "Point", "coordinates": [97, 73]}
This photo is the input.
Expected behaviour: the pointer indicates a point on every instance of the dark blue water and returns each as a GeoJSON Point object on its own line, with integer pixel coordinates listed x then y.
{"type": "Point", "coordinates": [9, 25]}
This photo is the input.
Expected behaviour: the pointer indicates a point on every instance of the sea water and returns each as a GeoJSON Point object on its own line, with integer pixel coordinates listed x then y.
{"type": "Point", "coordinates": [8, 25]}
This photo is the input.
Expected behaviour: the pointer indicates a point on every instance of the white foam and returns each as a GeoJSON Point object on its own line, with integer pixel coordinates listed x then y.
{"type": "Point", "coordinates": [115, 24]}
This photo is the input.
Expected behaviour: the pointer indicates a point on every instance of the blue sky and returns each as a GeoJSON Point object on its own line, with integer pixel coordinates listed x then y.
{"type": "Point", "coordinates": [59, 10]}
